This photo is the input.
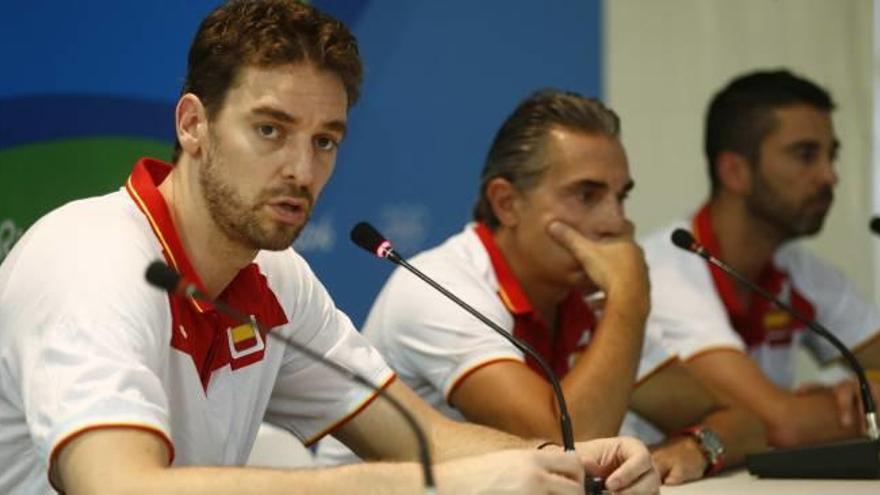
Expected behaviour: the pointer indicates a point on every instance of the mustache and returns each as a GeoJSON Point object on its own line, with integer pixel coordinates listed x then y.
{"type": "Point", "coordinates": [290, 190]}
{"type": "Point", "coordinates": [825, 194]}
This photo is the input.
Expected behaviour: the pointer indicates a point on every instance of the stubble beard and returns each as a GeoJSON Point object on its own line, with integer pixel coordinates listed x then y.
{"type": "Point", "coordinates": [239, 221]}
{"type": "Point", "coordinates": [765, 204]}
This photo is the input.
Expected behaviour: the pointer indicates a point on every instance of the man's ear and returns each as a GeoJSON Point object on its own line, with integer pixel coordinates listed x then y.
{"type": "Point", "coordinates": [504, 200]}
{"type": "Point", "coordinates": [191, 124]}
{"type": "Point", "coordinates": [734, 173]}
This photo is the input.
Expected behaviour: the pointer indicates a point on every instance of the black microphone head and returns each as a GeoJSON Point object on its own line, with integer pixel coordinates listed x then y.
{"type": "Point", "coordinates": [367, 237]}
{"type": "Point", "coordinates": [683, 239]}
{"type": "Point", "coordinates": [875, 225]}
{"type": "Point", "coordinates": [162, 276]}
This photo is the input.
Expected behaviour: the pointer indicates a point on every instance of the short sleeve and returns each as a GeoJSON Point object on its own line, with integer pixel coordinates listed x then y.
{"type": "Point", "coordinates": [685, 308]}
{"type": "Point", "coordinates": [309, 399]}
{"type": "Point", "coordinates": [839, 306]}
{"type": "Point", "coordinates": [82, 335]}
{"type": "Point", "coordinates": [429, 336]}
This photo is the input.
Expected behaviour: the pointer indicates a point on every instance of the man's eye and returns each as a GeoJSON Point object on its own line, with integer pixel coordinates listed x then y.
{"type": "Point", "coordinates": [808, 156]}
{"type": "Point", "coordinates": [325, 143]}
{"type": "Point", "coordinates": [267, 131]}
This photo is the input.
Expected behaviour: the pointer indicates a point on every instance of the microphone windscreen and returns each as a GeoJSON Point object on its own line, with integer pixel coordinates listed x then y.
{"type": "Point", "coordinates": [162, 276]}
{"type": "Point", "coordinates": [367, 237]}
{"type": "Point", "coordinates": [683, 239]}
{"type": "Point", "coordinates": [875, 225]}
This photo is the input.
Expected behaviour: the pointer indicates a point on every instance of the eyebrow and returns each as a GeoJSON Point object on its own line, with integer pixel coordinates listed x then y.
{"type": "Point", "coordinates": [813, 144]}
{"type": "Point", "coordinates": [597, 184]}
{"type": "Point", "coordinates": [282, 116]}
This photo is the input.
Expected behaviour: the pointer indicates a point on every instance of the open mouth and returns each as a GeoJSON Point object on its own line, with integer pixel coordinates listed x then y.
{"type": "Point", "coordinates": [290, 210]}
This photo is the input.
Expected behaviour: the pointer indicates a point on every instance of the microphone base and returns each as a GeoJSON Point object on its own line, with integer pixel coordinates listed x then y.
{"type": "Point", "coordinates": [852, 459]}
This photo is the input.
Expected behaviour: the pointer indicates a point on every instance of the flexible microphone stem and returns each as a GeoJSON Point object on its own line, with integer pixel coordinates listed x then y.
{"type": "Point", "coordinates": [685, 240]}
{"type": "Point", "coordinates": [164, 277]}
{"type": "Point", "coordinates": [367, 237]}
{"type": "Point", "coordinates": [564, 418]}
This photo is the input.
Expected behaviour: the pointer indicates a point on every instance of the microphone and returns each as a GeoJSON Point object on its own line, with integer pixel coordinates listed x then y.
{"type": "Point", "coordinates": [368, 238]}
{"type": "Point", "coordinates": [833, 458]}
{"type": "Point", "coordinates": [164, 277]}
{"type": "Point", "coordinates": [875, 225]}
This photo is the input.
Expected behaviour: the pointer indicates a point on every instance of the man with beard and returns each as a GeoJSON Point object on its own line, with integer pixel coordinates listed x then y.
{"type": "Point", "coordinates": [550, 257]}
{"type": "Point", "coordinates": [770, 147]}
{"type": "Point", "coordinates": [106, 381]}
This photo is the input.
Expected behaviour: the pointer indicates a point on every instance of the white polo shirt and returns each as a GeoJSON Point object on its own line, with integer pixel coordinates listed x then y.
{"type": "Point", "coordinates": [694, 305]}
{"type": "Point", "coordinates": [434, 345]}
{"type": "Point", "coordinates": [86, 343]}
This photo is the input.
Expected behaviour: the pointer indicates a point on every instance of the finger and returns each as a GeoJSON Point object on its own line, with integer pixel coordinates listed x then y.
{"type": "Point", "coordinates": [843, 395]}
{"type": "Point", "coordinates": [663, 468]}
{"type": "Point", "coordinates": [560, 485]}
{"type": "Point", "coordinates": [566, 464]}
{"type": "Point", "coordinates": [633, 468]}
{"type": "Point", "coordinates": [570, 239]}
{"type": "Point", "coordinates": [807, 388]}
{"type": "Point", "coordinates": [648, 483]}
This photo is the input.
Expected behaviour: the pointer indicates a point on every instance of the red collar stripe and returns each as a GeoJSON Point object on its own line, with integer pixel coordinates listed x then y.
{"type": "Point", "coordinates": [509, 289]}
{"type": "Point", "coordinates": [142, 186]}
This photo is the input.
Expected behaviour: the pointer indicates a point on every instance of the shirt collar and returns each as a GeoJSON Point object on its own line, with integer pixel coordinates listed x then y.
{"type": "Point", "coordinates": [509, 289]}
{"type": "Point", "coordinates": [143, 187]}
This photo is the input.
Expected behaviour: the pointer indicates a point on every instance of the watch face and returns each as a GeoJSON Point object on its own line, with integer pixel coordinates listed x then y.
{"type": "Point", "coordinates": [710, 441]}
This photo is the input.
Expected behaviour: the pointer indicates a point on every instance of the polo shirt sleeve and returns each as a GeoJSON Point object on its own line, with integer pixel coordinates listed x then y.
{"type": "Point", "coordinates": [655, 354]}
{"type": "Point", "coordinates": [308, 398]}
{"type": "Point", "coordinates": [80, 346]}
{"type": "Point", "coordinates": [839, 305]}
{"type": "Point", "coordinates": [685, 307]}
{"type": "Point", "coordinates": [429, 336]}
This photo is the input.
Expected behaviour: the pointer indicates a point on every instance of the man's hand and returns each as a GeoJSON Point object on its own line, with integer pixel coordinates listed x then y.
{"type": "Point", "coordinates": [513, 472]}
{"type": "Point", "coordinates": [679, 460]}
{"type": "Point", "coordinates": [624, 462]}
{"type": "Point", "coordinates": [613, 264]}
{"type": "Point", "coordinates": [847, 397]}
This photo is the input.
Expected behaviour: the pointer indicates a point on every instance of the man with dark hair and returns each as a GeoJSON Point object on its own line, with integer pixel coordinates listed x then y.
{"type": "Point", "coordinates": [770, 147]}
{"type": "Point", "coordinates": [551, 259]}
{"type": "Point", "coordinates": [107, 381]}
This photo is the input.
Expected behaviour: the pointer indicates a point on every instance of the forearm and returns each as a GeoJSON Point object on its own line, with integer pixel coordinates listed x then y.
{"type": "Point", "coordinates": [598, 388]}
{"type": "Point", "coordinates": [454, 440]}
{"type": "Point", "coordinates": [378, 478]}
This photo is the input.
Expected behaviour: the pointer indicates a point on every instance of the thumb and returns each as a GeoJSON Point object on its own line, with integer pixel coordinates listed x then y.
{"type": "Point", "coordinates": [570, 239]}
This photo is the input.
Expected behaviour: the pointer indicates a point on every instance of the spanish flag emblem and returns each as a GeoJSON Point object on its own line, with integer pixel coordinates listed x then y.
{"type": "Point", "coordinates": [243, 337]}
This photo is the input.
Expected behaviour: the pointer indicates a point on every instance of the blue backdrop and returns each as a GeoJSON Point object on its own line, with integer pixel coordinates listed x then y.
{"type": "Point", "coordinates": [440, 77]}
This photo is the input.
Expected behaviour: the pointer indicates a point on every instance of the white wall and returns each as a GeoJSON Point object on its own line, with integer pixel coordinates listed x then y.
{"type": "Point", "coordinates": [665, 59]}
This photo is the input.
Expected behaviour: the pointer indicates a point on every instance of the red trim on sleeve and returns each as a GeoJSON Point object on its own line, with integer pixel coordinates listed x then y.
{"type": "Point", "coordinates": [66, 439]}
{"type": "Point", "coordinates": [657, 369]}
{"type": "Point", "coordinates": [470, 371]}
{"type": "Point", "coordinates": [345, 419]}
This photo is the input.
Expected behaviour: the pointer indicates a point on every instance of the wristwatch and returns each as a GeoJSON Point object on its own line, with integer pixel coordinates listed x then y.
{"type": "Point", "coordinates": [710, 445]}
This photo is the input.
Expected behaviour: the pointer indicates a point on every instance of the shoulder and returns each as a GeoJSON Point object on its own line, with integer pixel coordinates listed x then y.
{"type": "Point", "coordinates": [818, 279]}
{"type": "Point", "coordinates": [459, 264]}
{"type": "Point", "coordinates": [84, 261]}
{"type": "Point", "coordinates": [669, 265]}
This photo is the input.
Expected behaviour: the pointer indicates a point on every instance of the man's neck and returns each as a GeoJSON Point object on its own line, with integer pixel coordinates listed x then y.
{"type": "Point", "coordinates": [543, 296]}
{"type": "Point", "coordinates": [215, 257]}
{"type": "Point", "coordinates": [747, 244]}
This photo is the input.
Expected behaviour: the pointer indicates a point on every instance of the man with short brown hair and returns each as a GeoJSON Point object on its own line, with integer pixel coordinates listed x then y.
{"type": "Point", "coordinates": [107, 382]}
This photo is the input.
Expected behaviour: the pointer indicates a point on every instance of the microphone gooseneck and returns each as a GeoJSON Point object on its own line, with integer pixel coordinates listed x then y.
{"type": "Point", "coordinates": [164, 277]}
{"type": "Point", "coordinates": [685, 240]}
{"type": "Point", "coordinates": [365, 236]}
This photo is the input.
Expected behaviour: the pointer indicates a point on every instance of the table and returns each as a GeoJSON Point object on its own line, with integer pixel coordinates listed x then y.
{"type": "Point", "coordinates": [739, 481]}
